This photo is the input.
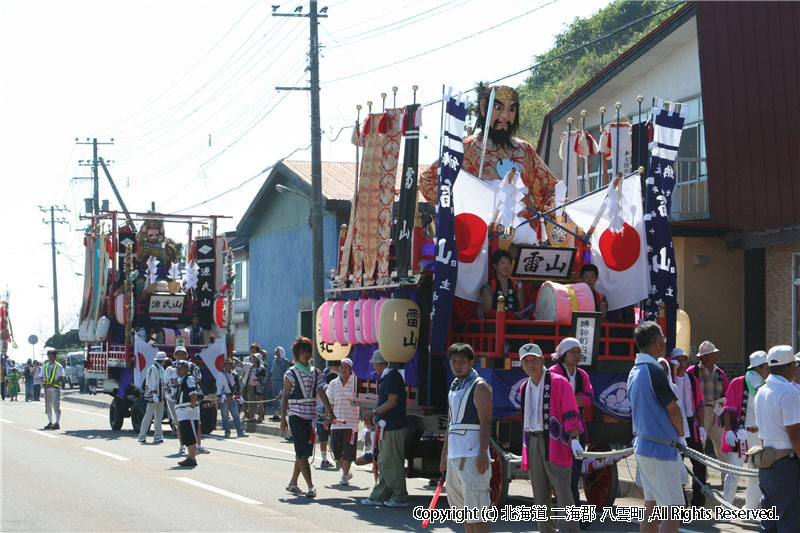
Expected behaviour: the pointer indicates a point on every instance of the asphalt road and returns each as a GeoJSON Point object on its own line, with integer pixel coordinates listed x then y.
{"type": "Point", "coordinates": [86, 477]}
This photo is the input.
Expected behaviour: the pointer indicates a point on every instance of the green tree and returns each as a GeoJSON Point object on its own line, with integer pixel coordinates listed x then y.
{"type": "Point", "coordinates": [555, 78]}
{"type": "Point", "coordinates": [64, 341]}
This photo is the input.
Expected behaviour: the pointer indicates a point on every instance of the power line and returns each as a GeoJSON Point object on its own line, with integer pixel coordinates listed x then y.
{"type": "Point", "coordinates": [441, 47]}
{"type": "Point", "coordinates": [184, 74]}
{"type": "Point", "coordinates": [248, 180]}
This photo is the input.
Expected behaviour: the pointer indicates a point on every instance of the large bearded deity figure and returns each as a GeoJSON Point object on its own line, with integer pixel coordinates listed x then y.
{"type": "Point", "coordinates": [503, 152]}
{"type": "Point", "coordinates": [152, 242]}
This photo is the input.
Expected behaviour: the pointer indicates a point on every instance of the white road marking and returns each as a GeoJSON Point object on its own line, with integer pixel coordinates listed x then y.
{"type": "Point", "coordinates": [238, 441]}
{"type": "Point", "coordinates": [217, 490]}
{"type": "Point", "coordinates": [41, 432]}
{"type": "Point", "coordinates": [84, 412]}
{"type": "Point", "coordinates": [6, 421]}
{"type": "Point", "coordinates": [107, 454]}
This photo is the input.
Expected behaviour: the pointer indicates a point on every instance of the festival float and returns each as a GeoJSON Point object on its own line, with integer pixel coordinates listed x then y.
{"type": "Point", "coordinates": [141, 292]}
{"type": "Point", "coordinates": [409, 279]}
{"type": "Point", "coordinates": [6, 330]}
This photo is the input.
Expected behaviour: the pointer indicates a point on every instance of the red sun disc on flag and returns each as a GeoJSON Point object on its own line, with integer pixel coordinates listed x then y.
{"type": "Point", "coordinates": [218, 361]}
{"type": "Point", "coordinates": [470, 236]}
{"type": "Point", "coordinates": [141, 361]}
{"type": "Point", "coordinates": [620, 250]}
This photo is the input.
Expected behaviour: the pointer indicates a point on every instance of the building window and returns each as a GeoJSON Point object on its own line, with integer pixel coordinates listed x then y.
{"type": "Point", "coordinates": [690, 198]}
{"type": "Point", "coordinates": [240, 283]}
{"type": "Point", "coordinates": [795, 301]}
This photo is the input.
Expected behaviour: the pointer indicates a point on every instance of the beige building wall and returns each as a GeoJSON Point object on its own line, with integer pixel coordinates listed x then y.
{"type": "Point", "coordinates": [711, 293]}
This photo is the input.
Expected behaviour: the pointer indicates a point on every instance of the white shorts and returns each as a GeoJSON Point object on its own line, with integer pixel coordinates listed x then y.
{"type": "Point", "coordinates": [465, 486]}
{"type": "Point", "coordinates": [661, 480]}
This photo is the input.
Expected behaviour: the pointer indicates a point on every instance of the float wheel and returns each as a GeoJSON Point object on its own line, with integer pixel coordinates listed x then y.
{"type": "Point", "coordinates": [600, 487]}
{"type": "Point", "coordinates": [498, 484]}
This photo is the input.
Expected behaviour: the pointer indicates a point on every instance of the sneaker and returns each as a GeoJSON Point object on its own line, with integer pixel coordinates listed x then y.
{"type": "Point", "coordinates": [158, 440]}
{"type": "Point", "coordinates": [142, 441]}
{"type": "Point", "coordinates": [187, 462]}
{"type": "Point", "coordinates": [349, 476]}
{"type": "Point", "coordinates": [242, 435]}
{"type": "Point", "coordinates": [326, 464]}
{"type": "Point", "coordinates": [56, 426]}
{"type": "Point", "coordinates": [48, 426]}
{"type": "Point", "coordinates": [344, 481]}
{"type": "Point", "coordinates": [274, 418]}
{"type": "Point", "coordinates": [181, 449]}
{"type": "Point", "coordinates": [227, 434]}
{"type": "Point", "coordinates": [312, 493]}
{"type": "Point", "coordinates": [392, 503]}
{"type": "Point", "coordinates": [370, 501]}
{"type": "Point", "coordinates": [200, 449]}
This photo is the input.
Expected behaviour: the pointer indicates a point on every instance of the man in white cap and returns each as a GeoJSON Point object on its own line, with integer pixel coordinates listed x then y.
{"type": "Point", "coordinates": [567, 357]}
{"type": "Point", "coordinates": [181, 355]}
{"type": "Point", "coordinates": [740, 427]}
{"type": "Point", "coordinates": [714, 383]}
{"type": "Point", "coordinates": [341, 393]}
{"type": "Point", "coordinates": [154, 383]}
{"type": "Point", "coordinates": [691, 395]}
{"type": "Point", "coordinates": [657, 427]}
{"type": "Point", "coordinates": [797, 372]}
{"type": "Point", "coordinates": [777, 409]}
{"type": "Point", "coordinates": [551, 426]}
{"type": "Point", "coordinates": [390, 412]}
{"type": "Point", "coordinates": [188, 411]}
{"type": "Point", "coordinates": [465, 454]}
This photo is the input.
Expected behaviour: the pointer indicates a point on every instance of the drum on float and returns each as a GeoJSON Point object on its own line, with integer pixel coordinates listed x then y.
{"type": "Point", "coordinates": [556, 302]}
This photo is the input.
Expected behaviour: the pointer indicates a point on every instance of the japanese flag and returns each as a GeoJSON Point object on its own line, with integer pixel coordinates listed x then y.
{"type": "Point", "coordinates": [473, 202]}
{"type": "Point", "coordinates": [144, 355]}
{"type": "Point", "coordinates": [213, 356]}
{"type": "Point", "coordinates": [619, 246]}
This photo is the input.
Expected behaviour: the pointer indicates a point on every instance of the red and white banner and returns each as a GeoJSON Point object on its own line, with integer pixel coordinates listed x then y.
{"type": "Point", "coordinates": [213, 356]}
{"type": "Point", "coordinates": [473, 202]}
{"type": "Point", "coordinates": [144, 356]}
{"type": "Point", "coordinates": [619, 246]}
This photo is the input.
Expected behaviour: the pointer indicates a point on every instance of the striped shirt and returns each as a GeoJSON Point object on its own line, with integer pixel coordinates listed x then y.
{"type": "Point", "coordinates": [307, 410]}
{"type": "Point", "coordinates": [340, 396]}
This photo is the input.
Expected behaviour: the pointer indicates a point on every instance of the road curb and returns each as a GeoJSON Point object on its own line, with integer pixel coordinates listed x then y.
{"type": "Point", "coordinates": [85, 401]}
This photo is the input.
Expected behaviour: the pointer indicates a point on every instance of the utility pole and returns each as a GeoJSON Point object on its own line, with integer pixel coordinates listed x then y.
{"type": "Point", "coordinates": [95, 174]}
{"type": "Point", "coordinates": [317, 245]}
{"type": "Point", "coordinates": [53, 222]}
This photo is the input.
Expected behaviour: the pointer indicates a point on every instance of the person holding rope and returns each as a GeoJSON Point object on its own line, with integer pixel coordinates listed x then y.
{"type": "Point", "coordinates": [341, 393]}
{"type": "Point", "coordinates": [551, 425]}
{"type": "Point", "coordinates": [567, 357]}
{"type": "Point", "coordinates": [690, 396]}
{"type": "Point", "coordinates": [714, 383]}
{"type": "Point", "coordinates": [390, 488]}
{"type": "Point", "coordinates": [465, 454]}
{"type": "Point", "coordinates": [181, 355]}
{"type": "Point", "coordinates": [777, 410]}
{"type": "Point", "coordinates": [657, 428]}
{"type": "Point", "coordinates": [154, 384]}
{"type": "Point", "coordinates": [741, 432]}
{"type": "Point", "coordinates": [255, 375]}
{"type": "Point", "coordinates": [301, 385]}
{"type": "Point", "coordinates": [228, 388]}
{"type": "Point", "coordinates": [188, 410]}
{"type": "Point", "coordinates": [279, 367]}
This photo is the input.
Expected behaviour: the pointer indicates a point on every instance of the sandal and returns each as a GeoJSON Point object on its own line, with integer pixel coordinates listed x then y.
{"type": "Point", "coordinates": [294, 489]}
{"type": "Point", "coordinates": [312, 493]}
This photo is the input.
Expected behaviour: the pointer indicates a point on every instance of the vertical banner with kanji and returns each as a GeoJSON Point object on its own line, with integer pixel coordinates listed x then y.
{"type": "Point", "coordinates": [668, 118]}
{"type": "Point", "coordinates": [445, 267]}
{"type": "Point", "coordinates": [408, 192]}
{"type": "Point", "coordinates": [205, 281]}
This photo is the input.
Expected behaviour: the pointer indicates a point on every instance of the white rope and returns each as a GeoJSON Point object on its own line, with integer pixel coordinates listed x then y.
{"type": "Point", "coordinates": [719, 465]}
{"type": "Point", "coordinates": [602, 455]}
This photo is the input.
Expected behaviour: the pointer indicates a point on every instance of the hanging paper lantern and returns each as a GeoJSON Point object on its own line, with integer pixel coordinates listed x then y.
{"type": "Point", "coordinates": [350, 313]}
{"type": "Point", "coordinates": [119, 308]}
{"type": "Point", "coordinates": [219, 312]}
{"type": "Point", "coordinates": [324, 320]}
{"type": "Point", "coordinates": [102, 328]}
{"type": "Point", "coordinates": [368, 321]}
{"type": "Point", "coordinates": [377, 317]}
{"type": "Point", "coordinates": [328, 351]}
{"type": "Point", "coordinates": [357, 309]}
{"type": "Point", "coordinates": [83, 331]}
{"type": "Point", "coordinates": [398, 330]}
{"type": "Point", "coordinates": [339, 321]}
{"type": "Point", "coordinates": [169, 336]}
{"type": "Point", "coordinates": [683, 332]}
{"type": "Point", "coordinates": [556, 302]}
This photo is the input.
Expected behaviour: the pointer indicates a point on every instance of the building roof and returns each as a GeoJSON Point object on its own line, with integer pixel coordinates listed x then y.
{"type": "Point", "coordinates": [338, 179]}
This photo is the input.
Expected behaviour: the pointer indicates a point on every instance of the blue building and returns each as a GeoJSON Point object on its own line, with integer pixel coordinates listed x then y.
{"type": "Point", "coordinates": [275, 231]}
